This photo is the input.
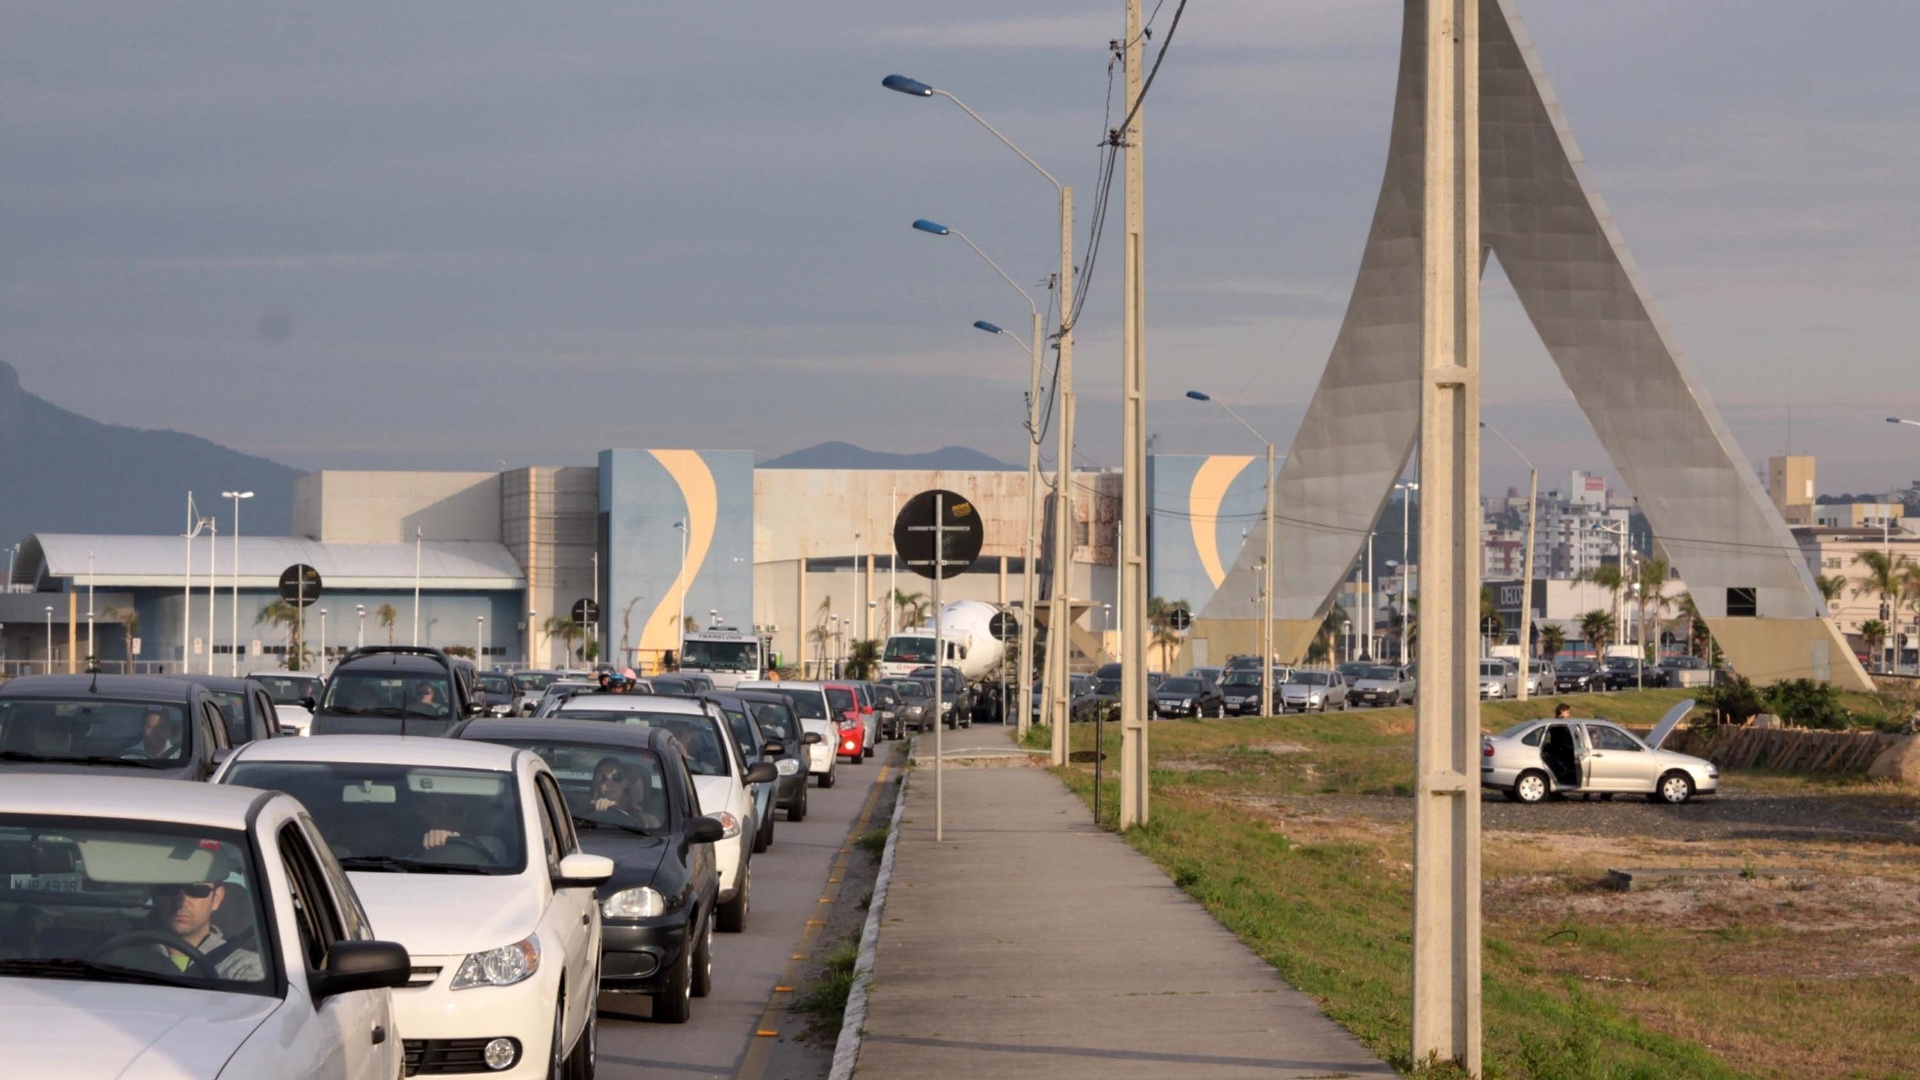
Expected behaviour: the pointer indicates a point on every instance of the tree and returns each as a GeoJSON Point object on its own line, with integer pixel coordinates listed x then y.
{"type": "Point", "coordinates": [863, 659]}
{"type": "Point", "coordinates": [1596, 627]}
{"type": "Point", "coordinates": [1650, 577]}
{"type": "Point", "coordinates": [564, 628]}
{"type": "Point", "coordinates": [386, 615]}
{"type": "Point", "coordinates": [1552, 640]}
{"type": "Point", "coordinates": [286, 617]}
{"type": "Point", "coordinates": [129, 620]}
{"type": "Point", "coordinates": [1330, 630]}
{"type": "Point", "coordinates": [1886, 575]}
{"type": "Point", "coordinates": [912, 607]}
{"type": "Point", "coordinates": [1490, 621]}
{"type": "Point", "coordinates": [1608, 577]}
{"type": "Point", "coordinates": [465, 651]}
{"type": "Point", "coordinates": [1161, 618]}
{"type": "Point", "coordinates": [1873, 634]}
{"type": "Point", "coordinates": [1831, 587]}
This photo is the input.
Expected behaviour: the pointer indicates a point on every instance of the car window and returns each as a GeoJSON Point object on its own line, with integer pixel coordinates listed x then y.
{"type": "Point", "coordinates": [687, 786]}
{"type": "Point", "coordinates": [1532, 738]}
{"type": "Point", "coordinates": [1312, 678]}
{"type": "Point", "coordinates": [808, 704]}
{"type": "Point", "coordinates": [744, 730]}
{"type": "Point", "coordinates": [699, 734]}
{"type": "Point", "coordinates": [346, 902]}
{"type": "Point", "coordinates": [313, 912]}
{"type": "Point", "coordinates": [603, 784]}
{"type": "Point", "coordinates": [840, 698]}
{"type": "Point", "coordinates": [286, 689]}
{"type": "Point", "coordinates": [377, 690]}
{"type": "Point", "coordinates": [495, 684]}
{"type": "Point", "coordinates": [533, 681]}
{"type": "Point", "coordinates": [233, 714]}
{"type": "Point", "coordinates": [1605, 737]}
{"type": "Point", "coordinates": [550, 838]}
{"type": "Point", "coordinates": [776, 723]}
{"type": "Point", "coordinates": [56, 730]}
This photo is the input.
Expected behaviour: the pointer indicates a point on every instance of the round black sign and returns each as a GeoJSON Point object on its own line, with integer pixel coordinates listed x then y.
{"type": "Point", "coordinates": [1004, 626]}
{"type": "Point", "coordinates": [958, 527]}
{"type": "Point", "coordinates": [1180, 619]}
{"type": "Point", "coordinates": [586, 611]}
{"type": "Point", "coordinates": [300, 584]}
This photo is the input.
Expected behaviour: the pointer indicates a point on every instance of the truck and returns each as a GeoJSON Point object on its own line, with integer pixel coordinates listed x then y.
{"type": "Point", "coordinates": [971, 646]}
{"type": "Point", "coordinates": [725, 655]}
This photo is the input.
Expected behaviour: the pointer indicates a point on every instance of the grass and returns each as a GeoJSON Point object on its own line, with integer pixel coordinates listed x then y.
{"type": "Point", "coordinates": [874, 843]}
{"type": "Point", "coordinates": [825, 999]}
{"type": "Point", "coordinates": [1577, 985]}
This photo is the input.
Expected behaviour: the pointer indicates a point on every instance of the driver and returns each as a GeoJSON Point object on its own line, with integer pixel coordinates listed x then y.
{"type": "Point", "coordinates": [186, 912]}
{"type": "Point", "coordinates": [157, 742]}
{"type": "Point", "coordinates": [426, 700]}
{"type": "Point", "coordinates": [616, 787]}
{"type": "Point", "coordinates": [446, 819]}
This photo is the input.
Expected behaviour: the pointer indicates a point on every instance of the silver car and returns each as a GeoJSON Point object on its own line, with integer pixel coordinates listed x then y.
{"type": "Point", "coordinates": [1313, 690]}
{"type": "Point", "coordinates": [1494, 678]}
{"type": "Point", "coordinates": [1535, 759]}
{"type": "Point", "coordinates": [1382, 685]}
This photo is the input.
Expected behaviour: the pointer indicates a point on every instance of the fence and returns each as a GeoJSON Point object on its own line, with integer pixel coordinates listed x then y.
{"type": "Point", "coordinates": [1784, 749]}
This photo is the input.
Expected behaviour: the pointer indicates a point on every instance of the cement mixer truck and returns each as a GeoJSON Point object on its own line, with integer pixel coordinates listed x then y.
{"type": "Point", "coordinates": [971, 646]}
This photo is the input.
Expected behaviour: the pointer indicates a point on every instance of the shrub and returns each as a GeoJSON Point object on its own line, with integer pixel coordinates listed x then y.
{"type": "Point", "coordinates": [1808, 704]}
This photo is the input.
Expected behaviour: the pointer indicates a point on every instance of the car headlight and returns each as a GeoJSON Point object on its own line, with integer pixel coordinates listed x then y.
{"type": "Point", "coordinates": [503, 966]}
{"type": "Point", "coordinates": [787, 766]}
{"type": "Point", "coordinates": [729, 823]}
{"type": "Point", "coordinates": [1186, 703]}
{"type": "Point", "coordinates": [642, 903]}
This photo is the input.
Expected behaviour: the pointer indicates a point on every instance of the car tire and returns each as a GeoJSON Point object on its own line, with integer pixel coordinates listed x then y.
{"type": "Point", "coordinates": [582, 1063]}
{"type": "Point", "coordinates": [1343, 704]}
{"type": "Point", "coordinates": [556, 1051]}
{"type": "Point", "coordinates": [673, 1003]}
{"type": "Point", "coordinates": [763, 835]}
{"type": "Point", "coordinates": [868, 751]}
{"type": "Point", "coordinates": [1396, 702]}
{"type": "Point", "coordinates": [826, 779]}
{"type": "Point", "coordinates": [798, 811]}
{"type": "Point", "coordinates": [1531, 787]}
{"type": "Point", "coordinates": [733, 914]}
{"type": "Point", "coordinates": [703, 960]}
{"type": "Point", "coordinates": [1674, 788]}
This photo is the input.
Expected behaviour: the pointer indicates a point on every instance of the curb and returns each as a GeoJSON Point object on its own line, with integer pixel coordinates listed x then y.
{"type": "Point", "coordinates": [846, 1050]}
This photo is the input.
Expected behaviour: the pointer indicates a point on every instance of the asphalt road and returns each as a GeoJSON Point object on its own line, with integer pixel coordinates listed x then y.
{"type": "Point", "coordinates": [789, 880]}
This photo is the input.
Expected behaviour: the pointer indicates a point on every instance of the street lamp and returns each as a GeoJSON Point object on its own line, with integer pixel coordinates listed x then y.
{"type": "Point", "coordinates": [49, 670]}
{"type": "Point", "coordinates": [532, 629]}
{"type": "Point", "coordinates": [323, 643]}
{"type": "Point", "coordinates": [360, 635]}
{"type": "Point", "coordinates": [1056, 695]}
{"type": "Point", "coordinates": [236, 496]}
{"type": "Point", "coordinates": [480, 639]}
{"type": "Point", "coordinates": [1898, 420]}
{"type": "Point", "coordinates": [680, 628]}
{"type": "Point", "coordinates": [1266, 571]}
{"type": "Point", "coordinates": [1526, 575]}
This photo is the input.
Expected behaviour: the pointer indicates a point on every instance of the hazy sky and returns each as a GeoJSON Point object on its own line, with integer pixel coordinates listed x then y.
{"type": "Point", "coordinates": [452, 234]}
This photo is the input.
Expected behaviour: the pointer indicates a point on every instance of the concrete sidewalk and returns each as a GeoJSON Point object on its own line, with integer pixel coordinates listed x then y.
{"type": "Point", "coordinates": [1031, 944]}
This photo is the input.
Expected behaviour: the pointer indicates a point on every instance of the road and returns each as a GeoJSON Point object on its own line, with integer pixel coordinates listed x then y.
{"type": "Point", "coordinates": [789, 880]}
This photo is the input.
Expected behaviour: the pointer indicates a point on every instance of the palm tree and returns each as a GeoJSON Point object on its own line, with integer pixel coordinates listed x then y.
{"type": "Point", "coordinates": [1650, 579]}
{"type": "Point", "coordinates": [1831, 587]}
{"type": "Point", "coordinates": [386, 615]}
{"type": "Point", "coordinates": [863, 659]}
{"type": "Point", "coordinates": [1886, 575]}
{"type": "Point", "coordinates": [1490, 623]}
{"type": "Point", "coordinates": [564, 628]}
{"type": "Point", "coordinates": [286, 616]}
{"type": "Point", "coordinates": [912, 607]}
{"type": "Point", "coordinates": [130, 620]}
{"type": "Point", "coordinates": [1552, 640]}
{"type": "Point", "coordinates": [1873, 634]}
{"type": "Point", "coordinates": [1160, 620]}
{"type": "Point", "coordinates": [1331, 628]}
{"type": "Point", "coordinates": [1596, 627]}
{"type": "Point", "coordinates": [1608, 577]}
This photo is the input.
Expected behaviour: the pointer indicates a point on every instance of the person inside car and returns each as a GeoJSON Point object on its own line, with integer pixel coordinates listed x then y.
{"type": "Point", "coordinates": [425, 701]}
{"type": "Point", "coordinates": [158, 738]}
{"type": "Point", "coordinates": [446, 820]}
{"type": "Point", "coordinates": [616, 789]}
{"type": "Point", "coordinates": [186, 911]}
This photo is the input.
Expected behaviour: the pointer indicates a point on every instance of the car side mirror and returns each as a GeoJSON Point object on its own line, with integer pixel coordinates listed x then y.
{"type": "Point", "coordinates": [309, 704]}
{"type": "Point", "coordinates": [762, 772]}
{"type": "Point", "coordinates": [582, 871]}
{"type": "Point", "coordinates": [705, 830]}
{"type": "Point", "coordinates": [810, 738]}
{"type": "Point", "coordinates": [360, 965]}
{"type": "Point", "coordinates": [774, 749]}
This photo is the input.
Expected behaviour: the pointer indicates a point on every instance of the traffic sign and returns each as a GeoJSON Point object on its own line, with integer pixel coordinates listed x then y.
{"type": "Point", "coordinates": [959, 528]}
{"type": "Point", "coordinates": [300, 584]}
{"type": "Point", "coordinates": [586, 612]}
{"type": "Point", "coordinates": [1004, 626]}
{"type": "Point", "coordinates": [1180, 619]}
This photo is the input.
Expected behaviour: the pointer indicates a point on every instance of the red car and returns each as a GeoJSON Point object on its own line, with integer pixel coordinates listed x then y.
{"type": "Point", "coordinates": [850, 721]}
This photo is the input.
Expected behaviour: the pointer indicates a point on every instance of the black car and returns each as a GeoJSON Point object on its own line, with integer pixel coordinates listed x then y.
{"type": "Point", "coordinates": [1581, 675]}
{"type": "Point", "coordinates": [887, 706]}
{"type": "Point", "coordinates": [1240, 691]}
{"type": "Point", "coordinates": [634, 802]}
{"type": "Point", "coordinates": [495, 691]}
{"type": "Point", "coordinates": [955, 700]}
{"type": "Point", "coordinates": [143, 725]}
{"type": "Point", "coordinates": [1186, 695]}
{"type": "Point", "coordinates": [1627, 673]}
{"type": "Point", "coordinates": [786, 747]}
{"type": "Point", "coordinates": [675, 686]}
{"type": "Point", "coordinates": [245, 705]}
{"type": "Point", "coordinates": [753, 747]}
{"type": "Point", "coordinates": [393, 690]}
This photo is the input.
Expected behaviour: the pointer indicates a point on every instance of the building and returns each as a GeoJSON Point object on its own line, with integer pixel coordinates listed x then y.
{"type": "Point", "coordinates": [1790, 484]}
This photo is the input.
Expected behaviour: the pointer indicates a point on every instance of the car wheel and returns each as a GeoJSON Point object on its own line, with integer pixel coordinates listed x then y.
{"type": "Point", "coordinates": [763, 835]}
{"type": "Point", "coordinates": [556, 1053]}
{"type": "Point", "coordinates": [1531, 786]}
{"type": "Point", "coordinates": [826, 779]}
{"type": "Point", "coordinates": [673, 1004]}
{"type": "Point", "coordinates": [582, 1063]}
{"type": "Point", "coordinates": [798, 811]}
{"type": "Point", "coordinates": [1675, 788]}
{"type": "Point", "coordinates": [733, 913]}
{"type": "Point", "coordinates": [703, 960]}
{"type": "Point", "coordinates": [1396, 701]}
{"type": "Point", "coordinates": [1343, 704]}
{"type": "Point", "coordinates": [868, 752]}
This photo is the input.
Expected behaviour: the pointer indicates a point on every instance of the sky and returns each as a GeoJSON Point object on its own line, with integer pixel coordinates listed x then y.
{"type": "Point", "coordinates": [459, 234]}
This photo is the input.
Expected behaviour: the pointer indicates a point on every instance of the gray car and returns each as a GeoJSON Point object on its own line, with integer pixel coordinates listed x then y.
{"type": "Point", "coordinates": [1313, 691]}
{"type": "Point", "coordinates": [1382, 685]}
{"type": "Point", "coordinates": [1535, 759]}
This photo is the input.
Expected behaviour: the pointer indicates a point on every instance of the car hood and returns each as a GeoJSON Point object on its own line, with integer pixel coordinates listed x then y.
{"type": "Point", "coordinates": [1668, 722]}
{"type": "Point", "coordinates": [636, 859]}
{"type": "Point", "coordinates": [449, 914]}
{"type": "Point", "coordinates": [83, 1030]}
{"type": "Point", "coordinates": [716, 793]}
{"type": "Point", "coordinates": [1301, 690]}
{"type": "Point", "coordinates": [188, 771]}
{"type": "Point", "coordinates": [1376, 684]}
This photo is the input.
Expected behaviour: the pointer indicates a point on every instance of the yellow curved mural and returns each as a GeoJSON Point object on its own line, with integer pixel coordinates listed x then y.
{"type": "Point", "coordinates": [1210, 484]}
{"type": "Point", "coordinates": [695, 480]}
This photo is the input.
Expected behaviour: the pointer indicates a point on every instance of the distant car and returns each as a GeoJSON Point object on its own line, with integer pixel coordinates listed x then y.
{"type": "Point", "coordinates": [788, 746]}
{"type": "Point", "coordinates": [753, 747]}
{"type": "Point", "coordinates": [1102, 697]}
{"type": "Point", "coordinates": [1382, 684]}
{"type": "Point", "coordinates": [956, 701]}
{"type": "Point", "coordinates": [915, 701]}
{"type": "Point", "coordinates": [1540, 679]}
{"type": "Point", "coordinates": [1185, 696]}
{"type": "Point", "coordinates": [393, 690]}
{"type": "Point", "coordinates": [1495, 679]}
{"type": "Point", "coordinates": [1240, 690]}
{"type": "Point", "coordinates": [1076, 685]}
{"type": "Point", "coordinates": [1353, 669]}
{"type": "Point", "coordinates": [1537, 758]}
{"type": "Point", "coordinates": [1309, 691]}
{"type": "Point", "coordinates": [559, 691]}
{"type": "Point", "coordinates": [854, 741]}
{"type": "Point", "coordinates": [1210, 674]}
{"type": "Point", "coordinates": [1242, 663]}
{"type": "Point", "coordinates": [886, 706]}
{"type": "Point", "coordinates": [1687, 671]}
{"type": "Point", "coordinates": [1627, 673]}
{"type": "Point", "coordinates": [139, 725]}
{"type": "Point", "coordinates": [294, 695]}
{"type": "Point", "coordinates": [495, 690]}
{"type": "Point", "coordinates": [809, 701]}
{"type": "Point", "coordinates": [1577, 674]}
{"type": "Point", "coordinates": [528, 688]}
{"type": "Point", "coordinates": [185, 931]}
{"type": "Point", "coordinates": [245, 705]}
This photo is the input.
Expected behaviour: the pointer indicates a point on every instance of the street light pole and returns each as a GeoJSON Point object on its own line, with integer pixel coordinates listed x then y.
{"type": "Point", "coordinates": [360, 634]}
{"type": "Point", "coordinates": [1135, 704]}
{"type": "Point", "coordinates": [236, 496]}
{"type": "Point", "coordinates": [93, 661]}
{"type": "Point", "coordinates": [1266, 563]}
{"type": "Point", "coordinates": [323, 642]}
{"type": "Point", "coordinates": [680, 628]}
{"type": "Point", "coordinates": [418, 535]}
{"type": "Point", "coordinates": [213, 557]}
{"type": "Point", "coordinates": [1526, 575]}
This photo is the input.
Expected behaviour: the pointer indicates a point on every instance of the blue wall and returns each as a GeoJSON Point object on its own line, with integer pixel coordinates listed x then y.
{"type": "Point", "coordinates": [1225, 494]}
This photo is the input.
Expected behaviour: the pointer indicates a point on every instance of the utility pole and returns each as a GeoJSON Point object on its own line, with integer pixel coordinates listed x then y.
{"type": "Point", "coordinates": [1029, 585]}
{"type": "Point", "coordinates": [1266, 601]}
{"type": "Point", "coordinates": [1446, 823]}
{"type": "Point", "coordinates": [1060, 614]}
{"type": "Point", "coordinates": [1133, 455]}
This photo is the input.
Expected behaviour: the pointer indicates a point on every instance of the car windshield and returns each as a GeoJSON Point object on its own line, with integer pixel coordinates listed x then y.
{"type": "Point", "coordinates": [495, 684]}
{"type": "Point", "coordinates": [98, 900]}
{"type": "Point", "coordinates": [1241, 678]}
{"type": "Point", "coordinates": [1312, 678]}
{"type": "Point", "coordinates": [841, 699]}
{"type": "Point", "coordinates": [1244, 662]}
{"type": "Point", "coordinates": [776, 723]}
{"type": "Point", "coordinates": [288, 689]}
{"type": "Point", "coordinates": [606, 784]}
{"type": "Point", "coordinates": [533, 682]}
{"type": "Point", "coordinates": [913, 689]}
{"type": "Point", "coordinates": [1517, 729]}
{"type": "Point", "coordinates": [378, 690]}
{"type": "Point", "coordinates": [1106, 686]}
{"type": "Point", "coordinates": [807, 704]}
{"type": "Point", "coordinates": [699, 734]}
{"type": "Point", "coordinates": [910, 650]}
{"type": "Point", "coordinates": [1382, 674]}
{"type": "Point", "coordinates": [720, 655]}
{"type": "Point", "coordinates": [1574, 665]}
{"type": "Point", "coordinates": [133, 734]}
{"type": "Point", "coordinates": [1182, 686]}
{"type": "Point", "coordinates": [233, 709]}
{"type": "Point", "coordinates": [403, 818]}
{"type": "Point", "coordinates": [1493, 671]}
{"type": "Point", "coordinates": [1617, 662]}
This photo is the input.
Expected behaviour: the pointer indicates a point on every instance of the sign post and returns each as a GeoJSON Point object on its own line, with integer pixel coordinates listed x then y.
{"type": "Point", "coordinates": [299, 586]}
{"type": "Point", "coordinates": [939, 534]}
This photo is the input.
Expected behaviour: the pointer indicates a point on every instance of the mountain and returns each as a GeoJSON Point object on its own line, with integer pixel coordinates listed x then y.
{"type": "Point", "coordinates": [61, 472]}
{"type": "Point", "coordinates": [840, 455]}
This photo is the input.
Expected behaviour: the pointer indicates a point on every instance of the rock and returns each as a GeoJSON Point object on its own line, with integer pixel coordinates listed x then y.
{"type": "Point", "coordinates": [1766, 720]}
{"type": "Point", "coordinates": [1899, 763]}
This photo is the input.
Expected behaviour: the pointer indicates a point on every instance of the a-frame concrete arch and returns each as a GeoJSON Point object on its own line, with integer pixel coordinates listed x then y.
{"type": "Point", "coordinates": [1580, 288]}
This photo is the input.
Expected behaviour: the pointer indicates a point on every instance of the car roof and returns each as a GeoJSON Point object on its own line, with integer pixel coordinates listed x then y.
{"type": "Point", "coordinates": [275, 673]}
{"type": "Point", "coordinates": [597, 732]}
{"type": "Point", "coordinates": [763, 697]}
{"type": "Point", "coordinates": [107, 687]}
{"type": "Point", "coordinates": [656, 703]}
{"type": "Point", "coordinates": [383, 750]}
{"type": "Point", "coordinates": [215, 682]}
{"type": "Point", "coordinates": [408, 662]}
{"type": "Point", "coordinates": [214, 806]}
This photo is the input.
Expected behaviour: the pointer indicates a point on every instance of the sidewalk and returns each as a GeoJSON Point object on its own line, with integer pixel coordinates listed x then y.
{"type": "Point", "coordinates": [1031, 944]}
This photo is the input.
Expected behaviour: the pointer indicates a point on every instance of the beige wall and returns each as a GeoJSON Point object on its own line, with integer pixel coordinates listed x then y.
{"type": "Point", "coordinates": [386, 507]}
{"type": "Point", "coordinates": [549, 518]}
{"type": "Point", "coordinates": [1833, 555]}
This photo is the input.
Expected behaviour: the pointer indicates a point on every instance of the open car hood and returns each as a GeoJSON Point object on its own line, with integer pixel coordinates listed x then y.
{"type": "Point", "coordinates": [1668, 722]}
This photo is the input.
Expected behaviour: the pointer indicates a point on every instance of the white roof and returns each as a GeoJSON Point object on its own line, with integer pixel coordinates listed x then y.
{"type": "Point", "coordinates": [125, 561]}
{"type": "Point", "coordinates": [130, 798]}
{"type": "Point", "coordinates": [653, 703]}
{"type": "Point", "coordinates": [383, 750]}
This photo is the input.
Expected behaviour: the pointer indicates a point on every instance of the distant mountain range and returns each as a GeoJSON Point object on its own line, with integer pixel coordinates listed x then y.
{"type": "Point", "coordinates": [61, 472]}
{"type": "Point", "coordinates": [840, 455]}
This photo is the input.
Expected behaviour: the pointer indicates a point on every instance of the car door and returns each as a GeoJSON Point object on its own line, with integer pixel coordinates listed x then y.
{"type": "Point", "coordinates": [352, 1035]}
{"type": "Point", "coordinates": [569, 911]}
{"type": "Point", "coordinates": [1617, 762]}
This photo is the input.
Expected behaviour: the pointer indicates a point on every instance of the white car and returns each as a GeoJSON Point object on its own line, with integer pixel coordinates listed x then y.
{"type": "Point", "coordinates": [465, 853]}
{"type": "Point", "coordinates": [1536, 759]}
{"type": "Point", "coordinates": [809, 700]}
{"type": "Point", "coordinates": [161, 929]}
{"type": "Point", "coordinates": [721, 777]}
{"type": "Point", "coordinates": [293, 694]}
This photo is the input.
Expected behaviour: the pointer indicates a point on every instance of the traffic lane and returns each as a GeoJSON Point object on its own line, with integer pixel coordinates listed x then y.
{"type": "Point", "coordinates": [788, 879]}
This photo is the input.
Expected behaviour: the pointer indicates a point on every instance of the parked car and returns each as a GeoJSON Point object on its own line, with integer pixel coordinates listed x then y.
{"type": "Point", "coordinates": [955, 699]}
{"type": "Point", "coordinates": [915, 699]}
{"type": "Point", "coordinates": [1627, 673]}
{"type": "Point", "coordinates": [245, 706]}
{"type": "Point", "coordinates": [1102, 697]}
{"type": "Point", "coordinates": [721, 774]}
{"type": "Point", "coordinates": [1188, 696]}
{"type": "Point", "coordinates": [393, 690]}
{"type": "Point", "coordinates": [1687, 671]}
{"type": "Point", "coordinates": [1210, 674]}
{"type": "Point", "coordinates": [186, 931]}
{"type": "Point", "coordinates": [1382, 684]}
{"type": "Point", "coordinates": [1076, 685]}
{"type": "Point", "coordinates": [146, 725]}
{"type": "Point", "coordinates": [1537, 758]}
{"type": "Point", "coordinates": [528, 688]}
{"type": "Point", "coordinates": [1240, 690]}
{"type": "Point", "coordinates": [1540, 679]}
{"type": "Point", "coordinates": [465, 853]}
{"type": "Point", "coordinates": [753, 747]}
{"type": "Point", "coordinates": [787, 746]}
{"type": "Point", "coordinates": [809, 701]}
{"type": "Point", "coordinates": [633, 801]}
{"type": "Point", "coordinates": [1495, 679]}
{"type": "Point", "coordinates": [1307, 690]}
{"type": "Point", "coordinates": [1244, 662]}
{"type": "Point", "coordinates": [1574, 673]}
{"type": "Point", "coordinates": [1353, 669]}
{"type": "Point", "coordinates": [869, 713]}
{"type": "Point", "coordinates": [674, 685]}
{"type": "Point", "coordinates": [294, 695]}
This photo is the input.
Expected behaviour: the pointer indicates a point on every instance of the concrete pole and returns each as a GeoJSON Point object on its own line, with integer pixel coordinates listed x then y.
{"type": "Point", "coordinates": [1059, 635]}
{"type": "Point", "coordinates": [800, 617]}
{"type": "Point", "coordinates": [1526, 583]}
{"type": "Point", "coordinates": [1028, 584]}
{"type": "Point", "coordinates": [1446, 859]}
{"type": "Point", "coordinates": [1266, 601]}
{"type": "Point", "coordinates": [213, 559]}
{"type": "Point", "coordinates": [1134, 704]}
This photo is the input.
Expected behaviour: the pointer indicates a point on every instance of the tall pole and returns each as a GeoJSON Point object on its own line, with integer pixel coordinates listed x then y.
{"type": "Point", "coordinates": [1366, 617]}
{"type": "Point", "coordinates": [1134, 703]}
{"type": "Point", "coordinates": [859, 597]}
{"type": "Point", "coordinates": [893, 560]}
{"type": "Point", "coordinates": [1266, 600]}
{"type": "Point", "coordinates": [323, 641]}
{"type": "Point", "coordinates": [418, 535]}
{"type": "Point", "coordinates": [1029, 585]}
{"type": "Point", "coordinates": [1446, 824]}
{"type": "Point", "coordinates": [1059, 633]}
{"type": "Point", "coordinates": [213, 558]}
{"type": "Point", "coordinates": [49, 667]}
{"type": "Point", "coordinates": [236, 496]}
{"type": "Point", "coordinates": [186, 592]}
{"type": "Point", "coordinates": [94, 663]}
{"type": "Point", "coordinates": [1526, 581]}
{"type": "Point", "coordinates": [939, 668]}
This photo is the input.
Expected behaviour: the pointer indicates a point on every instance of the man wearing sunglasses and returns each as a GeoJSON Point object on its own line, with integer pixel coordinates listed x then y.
{"type": "Point", "coordinates": [186, 911]}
